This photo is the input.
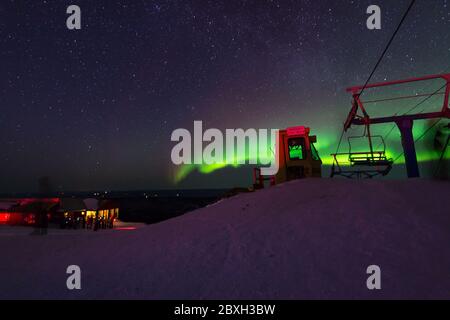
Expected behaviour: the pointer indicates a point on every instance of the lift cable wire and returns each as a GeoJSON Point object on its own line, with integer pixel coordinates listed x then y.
{"type": "Point", "coordinates": [387, 46]}
{"type": "Point", "coordinates": [441, 157]}
{"type": "Point", "coordinates": [416, 106]}
{"type": "Point", "coordinates": [379, 60]}
{"type": "Point", "coordinates": [429, 129]}
{"type": "Point", "coordinates": [402, 98]}
{"type": "Point", "coordinates": [413, 108]}
{"type": "Point", "coordinates": [423, 135]}
{"type": "Point", "coordinates": [340, 141]}
{"type": "Point", "coordinates": [426, 99]}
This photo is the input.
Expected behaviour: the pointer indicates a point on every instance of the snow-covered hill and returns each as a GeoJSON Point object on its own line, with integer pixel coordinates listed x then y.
{"type": "Point", "coordinates": [304, 239]}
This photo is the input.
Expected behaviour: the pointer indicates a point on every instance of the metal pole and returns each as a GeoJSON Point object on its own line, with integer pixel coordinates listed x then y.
{"type": "Point", "coordinates": [409, 149]}
{"type": "Point", "coordinates": [370, 141]}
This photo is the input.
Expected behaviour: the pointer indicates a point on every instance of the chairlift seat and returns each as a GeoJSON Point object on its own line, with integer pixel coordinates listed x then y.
{"type": "Point", "coordinates": [376, 158]}
{"type": "Point", "coordinates": [373, 163]}
{"type": "Point", "coordinates": [365, 164]}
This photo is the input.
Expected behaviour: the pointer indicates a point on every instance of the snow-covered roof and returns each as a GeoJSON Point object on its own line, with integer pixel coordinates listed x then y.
{"type": "Point", "coordinates": [91, 203]}
{"type": "Point", "coordinates": [71, 204]}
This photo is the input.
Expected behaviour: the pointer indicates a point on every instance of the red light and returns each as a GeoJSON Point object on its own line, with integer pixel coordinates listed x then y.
{"type": "Point", "coordinates": [26, 201]}
{"type": "Point", "coordinates": [297, 131]}
{"type": "Point", "coordinates": [125, 228]}
{"type": "Point", "coordinates": [4, 217]}
{"type": "Point", "coordinates": [30, 219]}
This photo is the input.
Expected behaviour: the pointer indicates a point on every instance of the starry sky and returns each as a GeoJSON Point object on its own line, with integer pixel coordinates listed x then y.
{"type": "Point", "coordinates": [94, 108]}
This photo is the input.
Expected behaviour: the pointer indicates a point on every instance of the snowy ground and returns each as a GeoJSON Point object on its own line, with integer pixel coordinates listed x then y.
{"type": "Point", "coordinates": [305, 239]}
{"type": "Point", "coordinates": [14, 231]}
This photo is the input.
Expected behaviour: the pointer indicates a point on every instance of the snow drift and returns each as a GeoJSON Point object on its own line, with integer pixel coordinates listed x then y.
{"type": "Point", "coordinates": [309, 239]}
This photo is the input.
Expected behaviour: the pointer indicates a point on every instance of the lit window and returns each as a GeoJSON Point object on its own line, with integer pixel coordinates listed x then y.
{"type": "Point", "coordinates": [296, 148]}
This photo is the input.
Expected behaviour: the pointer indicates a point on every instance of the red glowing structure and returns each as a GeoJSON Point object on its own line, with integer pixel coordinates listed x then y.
{"type": "Point", "coordinates": [375, 162]}
{"type": "Point", "coordinates": [297, 158]}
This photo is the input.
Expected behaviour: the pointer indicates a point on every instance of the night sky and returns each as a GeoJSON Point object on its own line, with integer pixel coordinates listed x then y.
{"type": "Point", "coordinates": [94, 108]}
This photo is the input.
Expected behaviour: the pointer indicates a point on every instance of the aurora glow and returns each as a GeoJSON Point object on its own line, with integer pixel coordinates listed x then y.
{"type": "Point", "coordinates": [94, 108]}
{"type": "Point", "coordinates": [325, 146]}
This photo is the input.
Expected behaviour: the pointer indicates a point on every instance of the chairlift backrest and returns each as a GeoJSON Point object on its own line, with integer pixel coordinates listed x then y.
{"type": "Point", "coordinates": [377, 140]}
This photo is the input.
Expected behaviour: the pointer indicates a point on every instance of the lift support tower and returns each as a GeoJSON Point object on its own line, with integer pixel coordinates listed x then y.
{"type": "Point", "coordinates": [404, 122]}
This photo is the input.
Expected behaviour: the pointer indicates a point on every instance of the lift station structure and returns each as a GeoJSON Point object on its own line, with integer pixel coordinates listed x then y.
{"type": "Point", "coordinates": [375, 161]}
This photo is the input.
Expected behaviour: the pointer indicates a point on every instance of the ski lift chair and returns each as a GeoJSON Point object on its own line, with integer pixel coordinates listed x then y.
{"type": "Point", "coordinates": [362, 164]}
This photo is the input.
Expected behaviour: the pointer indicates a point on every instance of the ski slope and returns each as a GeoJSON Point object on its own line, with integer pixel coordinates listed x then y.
{"type": "Point", "coordinates": [308, 239]}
